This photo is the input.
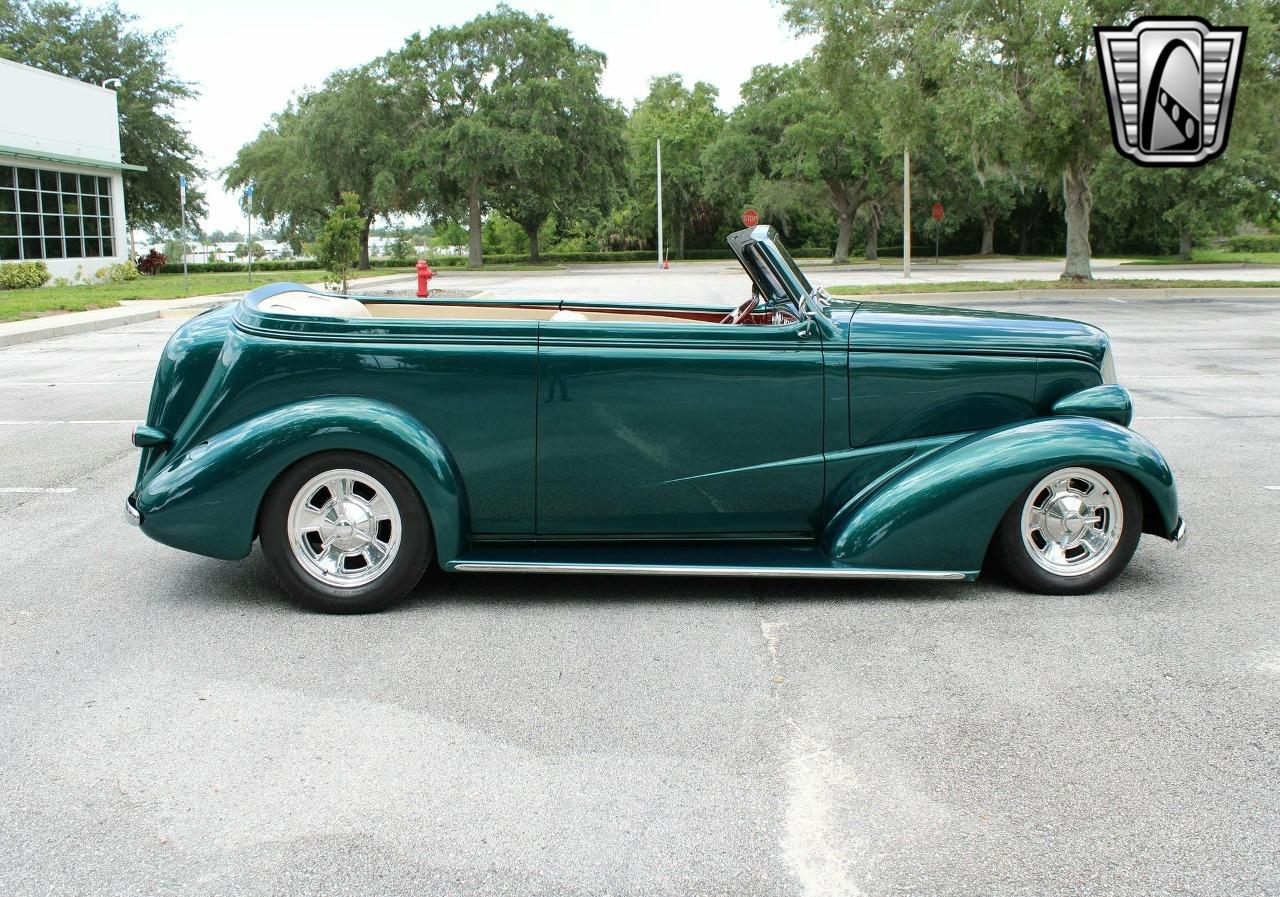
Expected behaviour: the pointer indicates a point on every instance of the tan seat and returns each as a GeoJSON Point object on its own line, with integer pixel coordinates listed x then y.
{"type": "Point", "coordinates": [313, 305]}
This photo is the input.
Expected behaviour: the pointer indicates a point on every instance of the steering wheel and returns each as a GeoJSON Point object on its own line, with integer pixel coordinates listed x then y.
{"type": "Point", "coordinates": [743, 311]}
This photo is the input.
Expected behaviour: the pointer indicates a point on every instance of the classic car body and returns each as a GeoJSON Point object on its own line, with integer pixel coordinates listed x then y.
{"type": "Point", "coordinates": [809, 437]}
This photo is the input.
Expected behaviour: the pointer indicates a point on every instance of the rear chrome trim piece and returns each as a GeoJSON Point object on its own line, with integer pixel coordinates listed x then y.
{"type": "Point", "coordinates": [1179, 537]}
{"type": "Point", "coordinates": [131, 514]}
{"type": "Point", "coordinates": [699, 570]}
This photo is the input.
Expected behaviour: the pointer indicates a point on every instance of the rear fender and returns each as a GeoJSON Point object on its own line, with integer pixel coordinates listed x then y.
{"type": "Point", "coordinates": [940, 512]}
{"type": "Point", "coordinates": [206, 499]}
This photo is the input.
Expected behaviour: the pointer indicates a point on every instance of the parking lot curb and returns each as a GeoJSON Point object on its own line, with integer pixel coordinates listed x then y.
{"type": "Point", "coordinates": [14, 333]}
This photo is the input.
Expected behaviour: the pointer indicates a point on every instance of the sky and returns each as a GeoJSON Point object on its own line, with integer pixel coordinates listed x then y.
{"type": "Point", "coordinates": [247, 58]}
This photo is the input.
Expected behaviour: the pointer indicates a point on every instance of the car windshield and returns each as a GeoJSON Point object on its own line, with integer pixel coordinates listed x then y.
{"type": "Point", "coordinates": [794, 268]}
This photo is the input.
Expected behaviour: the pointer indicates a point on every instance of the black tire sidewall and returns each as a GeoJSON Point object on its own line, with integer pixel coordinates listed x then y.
{"type": "Point", "coordinates": [1017, 562]}
{"type": "Point", "coordinates": [406, 569]}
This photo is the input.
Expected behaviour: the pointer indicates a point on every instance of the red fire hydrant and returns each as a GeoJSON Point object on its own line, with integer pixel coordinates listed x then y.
{"type": "Point", "coordinates": [424, 277]}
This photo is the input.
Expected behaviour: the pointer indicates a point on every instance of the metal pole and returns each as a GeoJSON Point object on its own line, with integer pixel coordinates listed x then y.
{"type": "Point", "coordinates": [937, 227]}
{"type": "Point", "coordinates": [906, 213]}
{"type": "Point", "coordinates": [659, 202]}
{"type": "Point", "coordinates": [183, 183]}
{"type": "Point", "coordinates": [249, 244]}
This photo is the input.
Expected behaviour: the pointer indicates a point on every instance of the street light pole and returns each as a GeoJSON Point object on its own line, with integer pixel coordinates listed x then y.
{"type": "Point", "coordinates": [248, 208]}
{"type": "Point", "coordinates": [906, 213]}
{"type": "Point", "coordinates": [182, 202]}
{"type": "Point", "coordinates": [659, 145]}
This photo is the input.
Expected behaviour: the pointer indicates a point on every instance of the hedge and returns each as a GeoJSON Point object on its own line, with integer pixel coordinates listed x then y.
{"type": "Point", "coordinates": [1254, 243]}
{"type": "Point", "coordinates": [490, 258]}
{"type": "Point", "coordinates": [231, 267]}
{"type": "Point", "coordinates": [23, 275]}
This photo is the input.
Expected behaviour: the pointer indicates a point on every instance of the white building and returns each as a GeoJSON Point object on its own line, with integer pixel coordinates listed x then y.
{"type": "Point", "coordinates": [224, 251]}
{"type": "Point", "coordinates": [61, 177]}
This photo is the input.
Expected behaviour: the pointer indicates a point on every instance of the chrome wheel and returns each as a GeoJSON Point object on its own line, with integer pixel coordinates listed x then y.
{"type": "Point", "coordinates": [1072, 521]}
{"type": "Point", "coordinates": [344, 528]}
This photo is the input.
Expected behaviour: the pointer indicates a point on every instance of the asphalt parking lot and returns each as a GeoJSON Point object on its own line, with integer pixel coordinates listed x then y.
{"type": "Point", "coordinates": [170, 725]}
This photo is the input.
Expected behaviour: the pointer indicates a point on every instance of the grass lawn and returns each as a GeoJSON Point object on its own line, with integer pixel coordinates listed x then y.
{"type": "Point", "coordinates": [1212, 257]}
{"type": "Point", "coordinates": [18, 304]}
{"type": "Point", "coordinates": [965, 286]}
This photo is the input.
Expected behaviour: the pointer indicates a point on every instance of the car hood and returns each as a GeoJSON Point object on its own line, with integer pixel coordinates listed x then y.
{"type": "Point", "coordinates": [890, 327]}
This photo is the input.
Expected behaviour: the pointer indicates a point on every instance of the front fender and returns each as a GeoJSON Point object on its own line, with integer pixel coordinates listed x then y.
{"type": "Point", "coordinates": [206, 499]}
{"type": "Point", "coordinates": [941, 512]}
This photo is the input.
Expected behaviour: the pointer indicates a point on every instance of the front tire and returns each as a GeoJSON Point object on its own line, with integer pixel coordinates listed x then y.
{"type": "Point", "coordinates": [345, 533]}
{"type": "Point", "coordinates": [1072, 532]}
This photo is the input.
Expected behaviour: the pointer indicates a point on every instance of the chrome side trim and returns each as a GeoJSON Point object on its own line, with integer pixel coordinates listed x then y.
{"type": "Point", "coordinates": [1179, 537]}
{"type": "Point", "coordinates": [131, 515]}
{"type": "Point", "coordinates": [698, 570]}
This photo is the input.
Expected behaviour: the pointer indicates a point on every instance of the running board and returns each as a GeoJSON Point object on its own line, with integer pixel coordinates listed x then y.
{"type": "Point", "coordinates": [496, 566]}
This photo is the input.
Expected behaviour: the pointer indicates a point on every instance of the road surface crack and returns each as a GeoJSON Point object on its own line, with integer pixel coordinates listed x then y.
{"type": "Point", "coordinates": [815, 774]}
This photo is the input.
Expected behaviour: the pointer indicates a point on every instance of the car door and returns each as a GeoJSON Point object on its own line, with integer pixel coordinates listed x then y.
{"type": "Point", "coordinates": [671, 429]}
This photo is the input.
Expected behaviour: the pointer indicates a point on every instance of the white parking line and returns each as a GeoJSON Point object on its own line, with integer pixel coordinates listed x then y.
{"type": "Point", "coordinates": [37, 490]}
{"type": "Point", "coordinates": [1203, 416]}
{"type": "Point", "coordinates": [30, 423]}
{"type": "Point", "coordinates": [1273, 488]}
{"type": "Point", "coordinates": [26, 384]}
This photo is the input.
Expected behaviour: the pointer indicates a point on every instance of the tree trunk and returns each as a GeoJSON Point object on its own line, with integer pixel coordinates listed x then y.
{"type": "Point", "coordinates": [988, 234]}
{"type": "Point", "coordinates": [1184, 245]}
{"type": "Point", "coordinates": [1079, 203]}
{"type": "Point", "coordinates": [475, 248]}
{"type": "Point", "coordinates": [680, 244]}
{"type": "Point", "coordinates": [532, 233]}
{"type": "Point", "coordinates": [873, 242]}
{"type": "Point", "coordinates": [842, 240]}
{"type": "Point", "coordinates": [363, 264]}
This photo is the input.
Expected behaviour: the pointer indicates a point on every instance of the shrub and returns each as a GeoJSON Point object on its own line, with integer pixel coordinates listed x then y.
{"type": "Point", "coordinates": [23, 275]}
{"type": "Point", "coordinates": [338, 246]}
{"type": "Point", "coordinates": [1254, 243]}
{"type": "Point", "coordinates": [231, 267]}
{"type": "Point", "coordinates": [121, 273]}
{"type": "Point", "coordinates": [152, 262]}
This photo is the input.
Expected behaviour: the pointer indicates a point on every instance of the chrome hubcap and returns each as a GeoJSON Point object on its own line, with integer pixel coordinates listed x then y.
{"type": "Point", "coordinates": [1072, 520]}
{"type": "Point", "coordinates": [344, 528]}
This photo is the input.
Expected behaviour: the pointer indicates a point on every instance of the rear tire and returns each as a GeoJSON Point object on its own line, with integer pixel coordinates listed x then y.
{"type": "Point", "coordinates": [1071, 532]}
{"type": "Point", "coordinates": [345, 533]}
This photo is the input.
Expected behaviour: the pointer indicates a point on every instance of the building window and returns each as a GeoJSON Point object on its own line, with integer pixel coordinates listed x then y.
{"type": "Point", "coordinates": [54, 215]}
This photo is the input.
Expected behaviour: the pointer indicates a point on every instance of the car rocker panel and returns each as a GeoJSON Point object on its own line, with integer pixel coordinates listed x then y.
{"type": "Point", "coordinates": [794, 436]}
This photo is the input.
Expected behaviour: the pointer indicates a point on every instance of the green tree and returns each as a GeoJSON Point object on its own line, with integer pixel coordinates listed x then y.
{"type": "Point", "coordinates": [510, 117]}
{"type": "Point", "coordinates": [1033, 58]}
{"type": "Point", "coordinates": [338, 245]}
{"type": "Point", "coordinates": [346, 137]}
{"type": "Point", "coordinates": [449, 233]}
{"type": "Point", "coordinates": [401, 247]}
{"type": "Point", "coordinates": [1241, 184]}
{"type": "Point", "coordinates": [809, 143]}
{"type": "Point", "coordinates": [99, 43]}
{"type": "Point", "coordinates": [175, 249]}
{"type": "Point", "coordinates": [687, 121]}
{"type": "Point", "coordinates": [976, 121]}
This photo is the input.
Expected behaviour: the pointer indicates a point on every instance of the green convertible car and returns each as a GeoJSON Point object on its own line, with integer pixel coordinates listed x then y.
{"type": "Point", "coordinates": [361, 439]}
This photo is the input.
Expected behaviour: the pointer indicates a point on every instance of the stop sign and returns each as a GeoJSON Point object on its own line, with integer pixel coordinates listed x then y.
{"type": "Point", "coordinates": [937, 211]}
{"type": "Point", "coordinates": [750, 218]}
